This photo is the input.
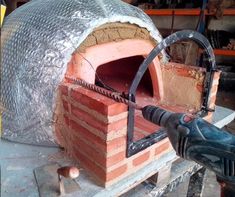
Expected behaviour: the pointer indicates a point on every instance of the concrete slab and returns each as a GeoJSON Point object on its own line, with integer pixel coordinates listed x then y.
{"type": "Point", "coordinates": [17, 163]}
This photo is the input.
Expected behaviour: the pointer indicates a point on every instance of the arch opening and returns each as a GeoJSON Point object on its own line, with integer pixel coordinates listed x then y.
{"type": "Point", "coordinates": [120, 73]}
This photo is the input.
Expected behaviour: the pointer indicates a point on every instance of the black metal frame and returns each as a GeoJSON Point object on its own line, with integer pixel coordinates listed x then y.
{"type": "Point", "coordinates": [135, 147]}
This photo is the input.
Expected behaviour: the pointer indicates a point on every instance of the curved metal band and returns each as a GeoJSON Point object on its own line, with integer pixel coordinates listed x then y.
{"type": "Point", "coordinates": [180, 35]}
{"type": "Point", "coordinates": [134, 147]}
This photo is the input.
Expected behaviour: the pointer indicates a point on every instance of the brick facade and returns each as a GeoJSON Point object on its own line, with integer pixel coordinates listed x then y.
{"type": "Point", "coordinates": [93, 130]}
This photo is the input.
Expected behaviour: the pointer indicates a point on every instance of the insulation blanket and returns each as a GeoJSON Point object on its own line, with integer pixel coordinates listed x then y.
{"type": "Point", "coordinates": [36, 44]}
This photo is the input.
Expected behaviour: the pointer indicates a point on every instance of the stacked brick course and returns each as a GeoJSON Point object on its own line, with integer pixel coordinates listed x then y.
{"type": "Point", "coordinates": [93, 130]}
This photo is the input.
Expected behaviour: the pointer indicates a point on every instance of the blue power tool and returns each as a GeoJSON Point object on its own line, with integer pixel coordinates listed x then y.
{"type": "Point", "coordinates": [196, 139]}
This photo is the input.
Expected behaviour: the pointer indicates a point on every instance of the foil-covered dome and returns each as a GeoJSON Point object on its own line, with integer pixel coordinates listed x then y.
{"type": "Point", "coordinates": [36, 44]}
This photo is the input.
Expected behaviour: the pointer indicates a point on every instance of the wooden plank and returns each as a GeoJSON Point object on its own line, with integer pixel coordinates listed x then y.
{"type": "Point", "coordinates": [181, 170]}
{"type": "Point", "coordinates": [162, 176]}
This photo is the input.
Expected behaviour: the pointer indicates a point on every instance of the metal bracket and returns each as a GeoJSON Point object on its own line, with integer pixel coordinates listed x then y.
{"type": "Point", "coordinates": [135, 147]}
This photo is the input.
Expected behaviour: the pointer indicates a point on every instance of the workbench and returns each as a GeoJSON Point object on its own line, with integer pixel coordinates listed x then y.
{"type": "Point", "coordinates": [19, 161]}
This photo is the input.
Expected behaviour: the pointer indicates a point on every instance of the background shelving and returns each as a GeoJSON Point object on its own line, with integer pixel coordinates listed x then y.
{"type": "Point", "coordinates": [185, 12]}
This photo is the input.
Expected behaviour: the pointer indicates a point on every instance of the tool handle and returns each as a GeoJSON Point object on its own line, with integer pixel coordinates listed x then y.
{"type": "Point", "coordinates": [68, 172]}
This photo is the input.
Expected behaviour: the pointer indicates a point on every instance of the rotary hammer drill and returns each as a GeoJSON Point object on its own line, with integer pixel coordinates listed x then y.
{"type": "Point", "coordinates": [195, 139]}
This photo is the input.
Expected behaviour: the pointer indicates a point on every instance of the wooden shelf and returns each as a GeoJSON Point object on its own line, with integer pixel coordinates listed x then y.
{"type": "Point", "coordinates": [177, 12]}
{"type": "Point", "coordinates": [185, 12]}
{"type": "Point", "coordinates": [194, 12]}
{"type": "Point", "coordinates": [224, 52]}
{"type": "Point", "coordinates": [226, 12]}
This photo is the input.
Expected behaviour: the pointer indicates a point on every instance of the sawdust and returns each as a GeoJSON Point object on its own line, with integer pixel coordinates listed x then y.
{"type": "Point", "coordinates": [114, 32]}
{"type": "Point", "coordinates": [182, 90]}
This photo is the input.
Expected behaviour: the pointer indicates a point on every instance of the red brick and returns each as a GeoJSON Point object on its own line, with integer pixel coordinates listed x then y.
{"type": "Point", "coordinates": [87, 135]}
{"type": "Point", "coordinates": [117, 108]}
{"type": "Point", "coordinates": [65, 105]}
{"type": "Point", "coordinates": [145, 125]}
{"type": "Point", "coordinates": [141, 159]}
{"type": "Point", "coordinates": [114, 159]}
{"type": "Point", "coordinates": [88, 98]}
{"type": "Point", "coordinates": [90, 152]}
{"type": "Point", "coordinates": [161, 148]}
{"type": "Point", "coordinates": [116, 173]}
{"type": "Point", "coordinates": [66, 120]}
{"type": "Point", "coordinates": [96, 170]}
{"type": "Point", "coordinates": [138, 135]}
{"type": "Point", "coordinates": [103, 127]}
{"type": "Point", "coordinates": [97, 156]}
{"type": "Point", "coordinates": [116, 143]}
{"type": "Point", "coordinates": [97, 102]}
{"type": "Point", "coordinates": [64, 89]}
{"type": "Point", "coordinates": [102, 144]}
{"type": "Point", "coordinates": [117, 125]}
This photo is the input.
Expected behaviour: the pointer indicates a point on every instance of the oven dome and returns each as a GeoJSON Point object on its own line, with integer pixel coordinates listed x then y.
{"type": "Point", "coordinates": [37, 42]}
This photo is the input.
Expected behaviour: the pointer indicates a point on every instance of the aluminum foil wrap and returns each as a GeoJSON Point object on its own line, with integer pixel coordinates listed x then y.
{"type": "Point", "coordinates": [36, 44]}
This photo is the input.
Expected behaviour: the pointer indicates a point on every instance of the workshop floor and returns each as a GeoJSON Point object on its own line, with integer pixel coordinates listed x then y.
{"type": "Point", "coordinates": [17, 164]}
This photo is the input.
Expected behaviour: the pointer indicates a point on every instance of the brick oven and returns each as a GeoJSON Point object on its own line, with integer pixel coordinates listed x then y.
{"type": "Point", "coordinates": [93, 128]}
{"type": "Point", "coordinates": [103, 43]}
